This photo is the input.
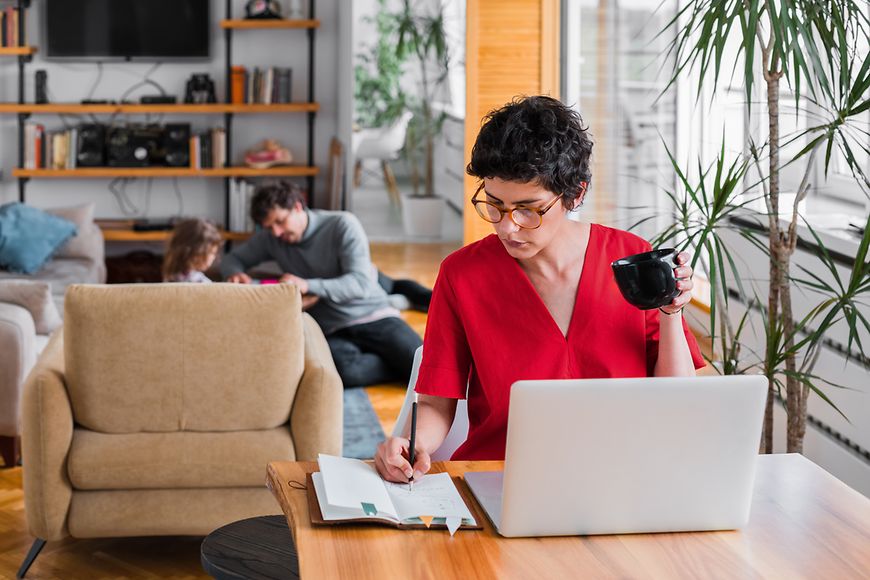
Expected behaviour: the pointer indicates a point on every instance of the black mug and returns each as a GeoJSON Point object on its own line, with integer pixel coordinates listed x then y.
{"type": "Point", "coordinates": [648, 280]}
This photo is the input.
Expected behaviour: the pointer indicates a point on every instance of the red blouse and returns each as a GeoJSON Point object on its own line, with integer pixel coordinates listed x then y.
{"type": "Point", "coordinates": [488, 328]}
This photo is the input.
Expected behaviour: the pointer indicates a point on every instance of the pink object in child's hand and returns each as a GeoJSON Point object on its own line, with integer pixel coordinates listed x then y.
{"type": "Point", "coordinates": [268, 281]}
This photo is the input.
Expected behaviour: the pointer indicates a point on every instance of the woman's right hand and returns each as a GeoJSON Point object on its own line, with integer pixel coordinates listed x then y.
{"type": "Point", "coordinates": [391, 461]}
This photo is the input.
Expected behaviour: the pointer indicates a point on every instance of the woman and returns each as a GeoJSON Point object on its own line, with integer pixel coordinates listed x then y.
{"type": "Point", "coordinates": [537, 300]}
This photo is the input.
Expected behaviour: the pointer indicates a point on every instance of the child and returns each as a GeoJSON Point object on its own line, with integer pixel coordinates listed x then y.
{"type": "Point", "coordinates": [192, 249]}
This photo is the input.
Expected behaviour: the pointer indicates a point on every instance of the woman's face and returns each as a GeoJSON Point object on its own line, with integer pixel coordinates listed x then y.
{"type": "Point", "coordinates": [522, 243]}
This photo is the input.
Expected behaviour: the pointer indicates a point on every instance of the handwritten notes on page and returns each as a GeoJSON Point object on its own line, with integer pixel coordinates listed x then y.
{"type": "Point", "coordinates": [350, 489]}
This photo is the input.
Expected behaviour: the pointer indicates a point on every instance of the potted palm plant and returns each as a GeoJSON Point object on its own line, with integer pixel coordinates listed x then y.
{"type": "Point", "coordinates": [820, 50]}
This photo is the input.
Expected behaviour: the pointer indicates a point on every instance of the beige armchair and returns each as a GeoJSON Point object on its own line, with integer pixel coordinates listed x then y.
{"type": "Point", "coordinates": [157, 408]}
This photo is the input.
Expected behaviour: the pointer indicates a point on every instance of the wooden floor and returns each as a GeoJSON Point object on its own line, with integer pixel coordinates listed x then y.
{"type": "Point", "coordinates": [178, 557]}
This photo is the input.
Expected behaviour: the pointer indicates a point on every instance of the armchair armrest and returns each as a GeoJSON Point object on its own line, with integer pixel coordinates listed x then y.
{"type": "Point", "coordinates": [17, 357]}
{"type": "Point", "coordinates": [317, 414]}
{"type": "Point", "coordinates": [47, 422]}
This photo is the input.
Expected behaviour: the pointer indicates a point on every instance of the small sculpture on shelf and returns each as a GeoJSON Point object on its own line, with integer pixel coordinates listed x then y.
{"type": "Point", "coordinates": [263, 10]}
{"type": "Point", "coordinates": [200, 89]}
{"type": "Point", "coordinates": [269, 154]}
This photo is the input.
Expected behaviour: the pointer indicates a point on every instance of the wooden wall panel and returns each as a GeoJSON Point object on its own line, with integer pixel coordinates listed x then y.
{"type": "Point", "coordinates": [512, 49]}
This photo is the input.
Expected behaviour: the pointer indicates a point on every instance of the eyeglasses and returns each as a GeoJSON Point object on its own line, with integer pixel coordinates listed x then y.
{"type": "Point", "coordinates": [528, 218]}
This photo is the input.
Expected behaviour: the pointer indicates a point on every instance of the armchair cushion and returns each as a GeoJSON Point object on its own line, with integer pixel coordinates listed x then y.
{"type": "Point", "coordinates": [29, 237]}
{"type": "Point", "coordinates": [175, 460]}
{"type": "Point", "coordinates": [36, 298]}
{"type": "Point", "coordinates": [182, 357]}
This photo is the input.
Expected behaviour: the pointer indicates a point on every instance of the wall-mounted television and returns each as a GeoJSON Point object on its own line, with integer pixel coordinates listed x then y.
{"type": "Point", "coordinates": [130, 29]}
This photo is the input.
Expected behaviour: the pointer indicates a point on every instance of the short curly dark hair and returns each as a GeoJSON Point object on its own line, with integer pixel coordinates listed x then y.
{"type": "Point", "coordinates": [268, 196]}
{"type": "Point", "coordinates": [534, 139]}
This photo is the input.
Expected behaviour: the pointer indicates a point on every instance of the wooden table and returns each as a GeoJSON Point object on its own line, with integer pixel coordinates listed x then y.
{"type": "Point", "coordinates": [804, 524]}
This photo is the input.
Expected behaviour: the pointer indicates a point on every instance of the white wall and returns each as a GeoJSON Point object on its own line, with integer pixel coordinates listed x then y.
{"type": "Point", "coordinates": [71, 82]}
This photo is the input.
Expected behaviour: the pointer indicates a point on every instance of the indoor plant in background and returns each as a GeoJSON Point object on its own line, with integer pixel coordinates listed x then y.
{"type": "Point", "coordinates": [820, 50]}
{"type": "Point", "coordinates": [378, 96]}
{"type": "Point", "coordinates": [421, 42]}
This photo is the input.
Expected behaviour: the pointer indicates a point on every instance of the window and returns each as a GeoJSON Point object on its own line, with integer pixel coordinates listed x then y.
{"type": "Point", "coordinates": [612, 74]}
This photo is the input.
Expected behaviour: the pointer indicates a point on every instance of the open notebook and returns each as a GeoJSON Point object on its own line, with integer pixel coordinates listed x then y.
{"type": "Point", "coordinates": [351, 490]}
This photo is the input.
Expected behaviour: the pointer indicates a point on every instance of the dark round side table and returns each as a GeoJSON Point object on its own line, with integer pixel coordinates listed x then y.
{"type": "Point", "coordinates": [256, 548]}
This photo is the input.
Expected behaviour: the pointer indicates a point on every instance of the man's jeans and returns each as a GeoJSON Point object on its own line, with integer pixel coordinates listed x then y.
{"type": "Point", "coordinates": [376, 352]}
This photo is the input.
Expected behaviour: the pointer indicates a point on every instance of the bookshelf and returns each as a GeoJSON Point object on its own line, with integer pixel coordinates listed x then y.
{"type": "Point", "coordinates": [17, 50]}
{"type": "Point", "coordinates": [230, 26]}
{"type": "Point", "coordinates": [229, 110]}
{"type": "Point", "coordinates": [157, 172]}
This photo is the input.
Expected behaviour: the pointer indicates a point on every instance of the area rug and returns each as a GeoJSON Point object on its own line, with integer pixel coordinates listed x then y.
{"type": "Point", "coordinates": [362, 429]}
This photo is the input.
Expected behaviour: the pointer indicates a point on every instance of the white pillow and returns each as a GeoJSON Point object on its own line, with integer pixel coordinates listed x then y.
{"type": "Point", "coordinates": [35, 297]}
{"type": "Point", "coordinates": [82, 216]}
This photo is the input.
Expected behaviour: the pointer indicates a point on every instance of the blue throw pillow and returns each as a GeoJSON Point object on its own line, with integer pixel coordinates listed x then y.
{"type": "Point", "coordinates": [29, 236]}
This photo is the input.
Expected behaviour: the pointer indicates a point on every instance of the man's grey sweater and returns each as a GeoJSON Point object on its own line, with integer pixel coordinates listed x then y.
{"type": "Point", "coordinates": [333, 256]}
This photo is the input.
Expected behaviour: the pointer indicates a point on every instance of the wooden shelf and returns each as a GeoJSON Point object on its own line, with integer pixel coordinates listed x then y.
{"type": "Point", "coordinates": [236, 236]}
{"type": "Point", "coordinates": [115, 233]}
{"type": "Point", "coordinates": [17, 50]}
{"type": "Point", "coordinates": [95, 172]}
{"type": "Point", "coordinates": [269, 24]}
{"type": "Point", "coordinates": [172, 109]}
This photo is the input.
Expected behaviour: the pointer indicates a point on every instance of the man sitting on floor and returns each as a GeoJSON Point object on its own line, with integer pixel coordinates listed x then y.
{"type": "Point", "coordinates": [326, 254]}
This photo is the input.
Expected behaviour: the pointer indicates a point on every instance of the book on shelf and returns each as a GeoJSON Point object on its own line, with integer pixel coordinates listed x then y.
{"type": "Point", "coordinates": [205, 151]}
{"type": "Point", "coordinates": [208, 149]}
{"type": "Point", "coordinates": [49, 149]}
{"type": "Point", "coordinates": [218, 147]}
{"type": "Point", "coordinates": [262, 86]}
{"type": "Point", "coordinates": [267, 86]}
{"type": "Point", "coordinates": [351, 491]}
{"type": "Point", "coordinates": [238, 75]}
{"type": "Point", "coordinates": [9, 28]}
{"type": "Point", "coordinates": [34, 146]}
{"type": "Point", "coordinates": [241, 193]}
{"type": "Point", "coordinates": [57, 150]}
{"type": "Point", "coordinates": [61, 149]}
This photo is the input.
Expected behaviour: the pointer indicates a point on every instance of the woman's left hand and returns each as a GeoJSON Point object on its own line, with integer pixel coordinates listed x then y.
{"type": "Point", "coordinates": [683, 272]}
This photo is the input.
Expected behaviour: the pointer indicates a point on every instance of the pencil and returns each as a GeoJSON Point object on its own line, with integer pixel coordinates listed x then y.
{"type": "Point", "coordinates": [413, 441]}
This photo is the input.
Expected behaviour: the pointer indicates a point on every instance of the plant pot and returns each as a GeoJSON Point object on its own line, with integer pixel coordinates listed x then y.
{"type": "Point", "coordinates": [422, 216]}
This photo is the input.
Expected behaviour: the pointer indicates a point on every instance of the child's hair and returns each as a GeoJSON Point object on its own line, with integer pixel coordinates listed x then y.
{"type": "Point", "coordinates": [534, 139]}
{"type": "Point", "coordinates": [191, 240]}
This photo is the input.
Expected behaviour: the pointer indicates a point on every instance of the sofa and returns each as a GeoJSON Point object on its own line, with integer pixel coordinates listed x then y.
{"type": "Point", "coordinates": [157, 408]}
{"type": "Point", "coordinates": [80, 260]}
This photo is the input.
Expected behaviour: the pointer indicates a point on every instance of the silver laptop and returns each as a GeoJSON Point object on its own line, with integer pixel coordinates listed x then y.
{"type": "Point", "coordinates": [619, 456]}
